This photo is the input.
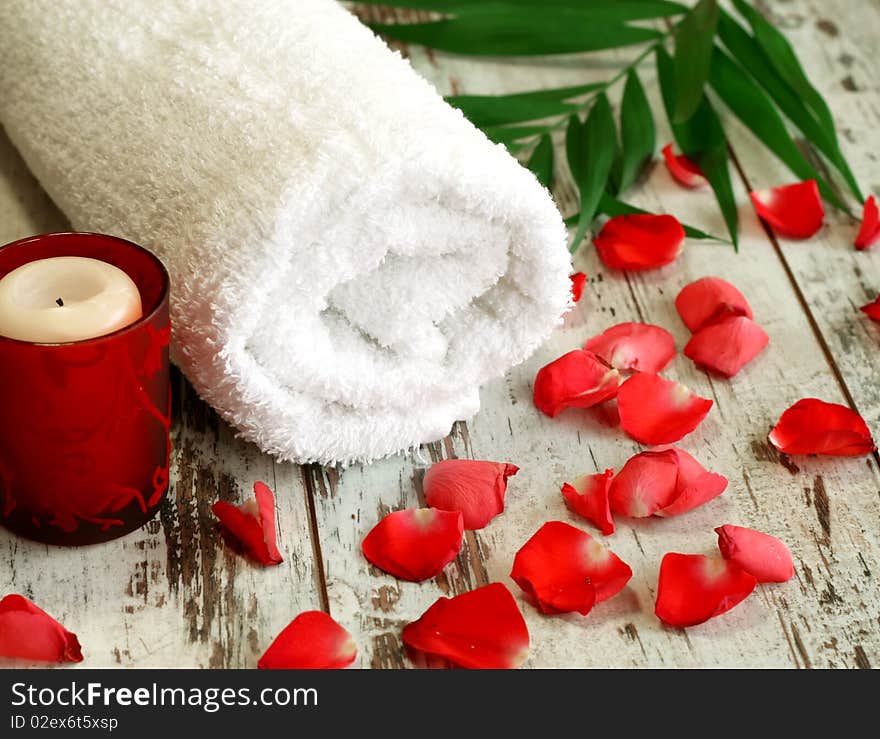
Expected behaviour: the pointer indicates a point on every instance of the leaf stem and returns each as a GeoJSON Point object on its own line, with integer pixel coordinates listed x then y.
{"type": "Point", "coordinates": [610, 82]}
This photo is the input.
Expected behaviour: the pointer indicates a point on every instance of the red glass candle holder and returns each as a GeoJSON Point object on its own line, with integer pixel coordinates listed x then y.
{"type": "Point", "coordinates": [84, 426]}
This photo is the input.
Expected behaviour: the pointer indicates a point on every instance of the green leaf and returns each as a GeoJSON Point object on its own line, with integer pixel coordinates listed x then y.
{"type": "Point", "coordinates": [786, 63]}
{"type": "Point", "coordinates": [590, 157]}
{"type": "Point", "coordinates": [509, 134]}
{"type": "Point", "coordinates": [637, 132]}
{"type": "Point", "coordinates": [492, 110]}
{"type": "Point", "coordinates": [618, 10]}
{"type": "Point", "coordinates": [702, 139]}
{"type": "Point", "coordinates": [693, 55]}
{"type": "Point", "coordinates": [611, 206]}
{"type": "Point", "coordinates": [752, 106]}
{"type": "Point", "coordinates": [749, 53]}
{"type": "Point", "coordinates": [488, 32]}
{"type": "Point", "coordinates": [541, 161]}
{"type": "Point", "coordinates": [751, 56]}
{"type": "Point", "coordinates": [574, 147]}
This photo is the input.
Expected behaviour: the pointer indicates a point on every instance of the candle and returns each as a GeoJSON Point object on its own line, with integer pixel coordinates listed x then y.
{"type": "Point", "coordinates": [64, 299]}
{"type": "Point", "coordinates": [85, 425]}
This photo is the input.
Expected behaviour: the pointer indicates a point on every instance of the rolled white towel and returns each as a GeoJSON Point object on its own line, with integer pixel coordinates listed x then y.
{"type": "Point", "coordinates": [350, 258]}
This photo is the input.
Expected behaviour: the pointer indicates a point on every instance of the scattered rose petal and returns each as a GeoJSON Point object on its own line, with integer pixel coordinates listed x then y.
{"type": "Point", "coordinates": [588, 497]}
{"type": "Point", "coordinates": [709, 300]}
{"type": "Point", "coordinates": [480, 629]}
{"type": "Point", "coordinates": [634, 346]}
{"type": "Point", "coordinates": [578, 280]}
{"type": "Point", "coordinates": [682, 169]}
{"type": "Point", "coordinates": [694, 485]}
{"type": "Point", "coordinates": [693, 588]}
{"type": "Point", "coordinates": [415, 544]}
{"type": "Point", "coordinates": [253, 524]}
{"type": "Point", "coordinates": [761, 555]}
{"type": "Point", "coordinates": [639, 241]}
{"type": "Point", "coordinates": [657, 411]}
{"type": "Point", "coordinates": [28, 632]}
{"type": "Point", "coordinates": [645, 484]}
{"type": "Point", "coordinates": [794, 210]}
{"type": "Point", "coordinates": [869, 231]}
{"type": "Point", "coordinates": [578, 379]}
{"type": "Point", "coordinates": [565, 569]}
{"type": "Point", "coordinates": [663, 482]}
{"type": "Point", "coordinates": [474, 487]}
{"type": "Point", "coordinates": [812, 426]}
{"type": "Point", "coordinates": [312, 641]}
{"type": "Point", "coordinates": [872, 310]}
{"type": "Point", "coordinates": [726, 347]}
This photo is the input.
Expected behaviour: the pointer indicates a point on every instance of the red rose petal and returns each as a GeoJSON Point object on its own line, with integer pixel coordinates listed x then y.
{"type": "Point", "coordinates": [415, 544]}
{"type": "Point", "coordinates": [578, 379]}
{"type": "Point", "coordinates": [634, 346]}
{"type": "Point", "coordinates": [564, 570]}
{"type": "Point", "coordinates": [812, 426]}
{"type": "Point", "coordinates": [550, 568]}
{"type": "Point", "coordinates": [709, 300]}
{"type": "Point", "coordinates": [474, 487]}
{"type": "Point", "coordinates": [28, 632]}
{"type": "Point", "coordinates": [694, 485]}
{"type": "Point", "coordinates": [663, 482]}
{"type": "Point", "coordinates": [645, 484]}
{"type": "Point", "coordinates": [682, 169]}
{"type": "Point", "coordinates": [726, 347]}
{"type": "Point", "coordinates": [761, 555]}
{"type": "Point", "coordinates": [657, 411]}
{"type": "Point", "coordinates": [480, 629]}
{"type": "Point", "coordinates": [588, 497]}
{"type": "Point", "coordinates": [253, 524]}
{"type": "Point", "coordinates": [639, 241]}
{"type": "Point", "coordinates": [578, 280]}
{"type": "Point", "coordinates": [869, 231]}
{"type": "Point", "coordinates": [791, 210]}
{"type": "Point", "coordinates": [872, 310]}
{"type": "Point", "coordinates": [693, 588]}
{"type": "Point", "coordinates": [312, 641]}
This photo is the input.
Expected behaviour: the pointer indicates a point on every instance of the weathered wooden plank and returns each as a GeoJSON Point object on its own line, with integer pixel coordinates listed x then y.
{"type": "Point", "coordinates": [208, 607]}
{"type": "Point", "coordinates": [826, 617]}
{"type": "Point", "coordinates": [837, 43]}
{"type": "Point", "coordinates": [170, 594]}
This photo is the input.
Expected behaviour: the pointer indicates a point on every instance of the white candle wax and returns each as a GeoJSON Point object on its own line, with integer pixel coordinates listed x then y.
{"type": "Point", "coordinates": [61, 299]}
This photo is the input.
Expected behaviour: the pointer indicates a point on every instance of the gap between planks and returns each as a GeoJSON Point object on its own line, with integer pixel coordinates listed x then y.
{"type": "Point", "coordinates": [802, 300]}
{"type": "Point", "coordinates": [308, 475]}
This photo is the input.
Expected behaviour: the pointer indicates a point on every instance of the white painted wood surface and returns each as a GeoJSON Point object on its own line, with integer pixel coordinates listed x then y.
{"type": "Point", "coordinates": [171, 595]}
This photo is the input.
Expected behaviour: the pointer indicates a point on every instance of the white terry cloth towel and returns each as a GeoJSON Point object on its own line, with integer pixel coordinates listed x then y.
{"type": "Point", "coordinates": [350, 258]}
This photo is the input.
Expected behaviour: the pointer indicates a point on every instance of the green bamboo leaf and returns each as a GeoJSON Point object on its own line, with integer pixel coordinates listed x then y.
{"type": "Point", "coordinates": [541, 161]}
{"type": "Point", "coordinates": [752, 106]}
{"type": "Point", "coordinates": [512, 33]}
{"type": "Point", "coordinates": [748, 52]}
{"type": "Point", "coordinates": [574, 147]}
{"type": "Point", "coordinates": [613, 184]}
{"type": "Point", "coordinates": [693, 55]}
{"type": "Point", "coordinates": [619, 10]}
{"type": "Point", "coordinates": [590, 160]}
{"type": "Point", "coordinates": [501, 110]}
{"type": "Point", "coordinates": [493, 110]}
{"type": "Point", "coordinates": [611, 207]}
{"type": "Point", "coordinates": [637, 132]}
{"type": "Point", "coordinates": [509, 134]}
{"type": "Point", "coordinates": [786, 63]}
{"type": "Point", "coordinates": [702, 139]}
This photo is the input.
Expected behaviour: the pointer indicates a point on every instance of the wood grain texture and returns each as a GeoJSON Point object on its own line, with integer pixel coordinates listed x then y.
{"type": "Point", "coordinates": [173, 595]}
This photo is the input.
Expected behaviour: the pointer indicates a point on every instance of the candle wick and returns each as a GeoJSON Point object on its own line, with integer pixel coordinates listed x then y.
{"type": "Point", "coordinates": [59, 301]}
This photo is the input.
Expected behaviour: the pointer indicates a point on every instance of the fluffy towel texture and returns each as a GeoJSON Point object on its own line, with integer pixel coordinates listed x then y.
{"type": "Point", "coordinates": [350, 258]}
